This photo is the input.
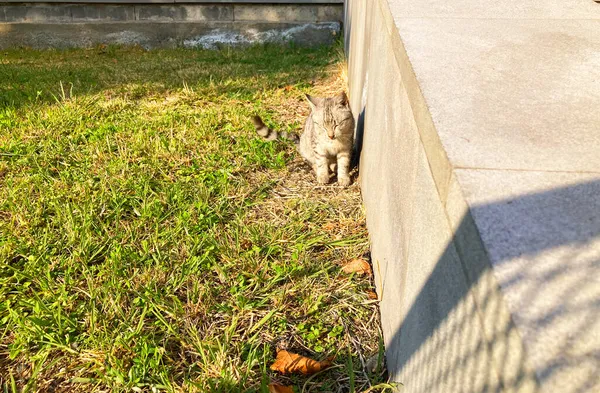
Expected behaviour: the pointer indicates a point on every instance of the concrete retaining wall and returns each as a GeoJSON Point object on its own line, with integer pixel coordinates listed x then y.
{"type": "Point", "coordinates": [42, 25]}
{"type": "Point", "coordinates": [480, 176]}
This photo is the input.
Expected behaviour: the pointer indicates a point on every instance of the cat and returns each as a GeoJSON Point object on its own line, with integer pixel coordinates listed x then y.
{"type": "Point", "coordinates": [327, 139]}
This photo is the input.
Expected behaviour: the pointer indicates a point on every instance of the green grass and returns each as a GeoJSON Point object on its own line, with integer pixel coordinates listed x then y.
{"type": "Point", "coordinates": [148, 240]}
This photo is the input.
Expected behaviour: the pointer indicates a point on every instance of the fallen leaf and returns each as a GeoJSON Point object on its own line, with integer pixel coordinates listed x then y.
{"type": "Point", "coordinates": [288, 87]}
{"type": "Point", "coordinates": [288, 363]}
{"type": "Point", "coordinates": [330, 226]}
{"type": "Point", "coordinates": [358, 266]}
{"type": "Point", "coordinates": [372, 295]}
{"type": "Point", "coordinates": [274, 388]}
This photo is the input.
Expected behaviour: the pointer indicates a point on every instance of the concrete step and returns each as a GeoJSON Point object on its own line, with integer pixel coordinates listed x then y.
{"type": "Point", "coordinates": [480, 174]}
{"type": "Point", "coordinates": [158, 25]}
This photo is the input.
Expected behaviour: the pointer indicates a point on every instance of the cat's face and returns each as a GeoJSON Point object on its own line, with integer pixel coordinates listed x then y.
{"type": "Point", "coordinates": [331, 115]}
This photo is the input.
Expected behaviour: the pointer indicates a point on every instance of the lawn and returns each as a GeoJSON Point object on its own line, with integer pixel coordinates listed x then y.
{"type": "Point", "coordinates": [149, 241]}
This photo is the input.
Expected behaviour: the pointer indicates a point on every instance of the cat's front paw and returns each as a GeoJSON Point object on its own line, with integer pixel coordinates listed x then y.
{"type": "Point", "coordinates": [344, 181]}
{"type": "Point", "coordinates": [323, 178]}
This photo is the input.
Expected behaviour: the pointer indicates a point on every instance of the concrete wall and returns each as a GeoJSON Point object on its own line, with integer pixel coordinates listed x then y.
{"type": "Point", "coordinates": [485, 231]}
{"type": "Point", "coordinates": [44, 25]}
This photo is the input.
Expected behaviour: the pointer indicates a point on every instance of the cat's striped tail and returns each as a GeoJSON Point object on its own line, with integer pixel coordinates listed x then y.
{"type": "Point", "coordinates": [269, 134]}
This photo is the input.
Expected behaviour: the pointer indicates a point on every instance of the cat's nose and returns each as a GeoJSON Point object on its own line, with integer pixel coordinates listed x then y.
{"type": "Point", "coordinates": [331, 136]}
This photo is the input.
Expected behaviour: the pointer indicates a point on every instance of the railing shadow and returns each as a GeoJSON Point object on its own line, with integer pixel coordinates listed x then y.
{"type": "Point", "coordinates": [542, 260]}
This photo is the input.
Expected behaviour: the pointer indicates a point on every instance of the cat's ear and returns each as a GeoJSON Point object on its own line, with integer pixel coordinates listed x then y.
{"type": "Point", "coordinates": [341, 99]}
{"type": "Point", "coordinates": [313, 101]}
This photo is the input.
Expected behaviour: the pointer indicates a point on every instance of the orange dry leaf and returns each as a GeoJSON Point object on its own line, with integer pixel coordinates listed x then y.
{"type": "Point", "coordinates": [330, 226]}
{"type": "Point", "coordinates": [274, 388]}
{"type": "Point", "coordinates": [288, 363]}
{"type": "Point", "coordinates": [372, 295]}
{"type": "Point", "coordinates": [358, 266]}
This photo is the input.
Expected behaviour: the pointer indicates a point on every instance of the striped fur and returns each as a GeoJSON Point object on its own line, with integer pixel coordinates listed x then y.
{"type": "Point", "coordinates": [327, 140]}
{"type": "Point", "coordinates": [269, 134]}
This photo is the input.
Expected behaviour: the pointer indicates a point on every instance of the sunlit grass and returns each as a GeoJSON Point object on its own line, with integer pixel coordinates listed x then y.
{"type": "Point", "coordinates": [149, 241]}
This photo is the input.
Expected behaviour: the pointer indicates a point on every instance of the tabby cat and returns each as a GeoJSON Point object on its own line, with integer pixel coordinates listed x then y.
{"type": "Point", "coordinates": [327, 138]}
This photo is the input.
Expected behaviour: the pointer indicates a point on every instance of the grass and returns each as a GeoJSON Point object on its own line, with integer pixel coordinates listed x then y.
{"type": "Point", "coordinates": [150, 242]}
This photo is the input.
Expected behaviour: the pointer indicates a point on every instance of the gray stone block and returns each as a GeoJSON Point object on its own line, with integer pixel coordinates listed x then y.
{"type": "Point", "coordinates": [62, 13]}
{"type": "Point", "coordinates": [186, 13]}
{"type": "Point", "coordinates": [36, 13]}
{"type": "Point", "coordinates": [103, 12]}
{"type": "Point", "coordinates": [208, 12]}
{"type": "Point", "coordinates": [158, 13]}
{"type": "Point", "coordinates": [426, 298]}
{"type": "Point", "coordinates": [480, 178]}
{"type": "Point", "coordinates": [510, 94]}
{"type": "Point", "coordinates": [288, 13]}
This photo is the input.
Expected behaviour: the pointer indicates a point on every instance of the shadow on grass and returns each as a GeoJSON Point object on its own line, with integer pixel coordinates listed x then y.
{"type": "Point", "coordinates": [159, 188]}
{"type": "Point", "coordinates": [29, 77]}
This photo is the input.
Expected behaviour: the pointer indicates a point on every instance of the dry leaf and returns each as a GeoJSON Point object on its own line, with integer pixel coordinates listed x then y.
{"type": "Point", "coordinates": [372, 295]}
{"type": "Point", "coordinates": [330, 226]}
{"type": "Point", "coordinates": [274, 388]}
{"type": "Point", "coordinates": [358, 266]}
{"type": "Point", "coordinates": [288, 363]}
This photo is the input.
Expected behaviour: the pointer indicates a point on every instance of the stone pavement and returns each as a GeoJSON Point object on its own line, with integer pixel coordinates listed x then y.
{"type": "Point", "coordinates": [480, 171]}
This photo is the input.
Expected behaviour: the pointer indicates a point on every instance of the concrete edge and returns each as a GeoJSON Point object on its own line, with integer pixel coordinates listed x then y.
{"type": "Point", "coordinates": [504, 340]}
{"type": "Point", "coordinates": [439, 162]}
